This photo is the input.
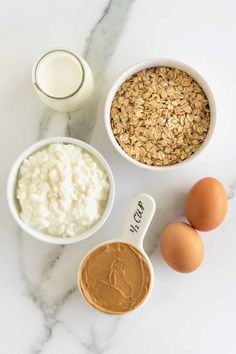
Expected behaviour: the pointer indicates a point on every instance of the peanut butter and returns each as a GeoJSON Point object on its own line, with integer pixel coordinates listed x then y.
{"type": "Point", "coordinates": [115, 278]}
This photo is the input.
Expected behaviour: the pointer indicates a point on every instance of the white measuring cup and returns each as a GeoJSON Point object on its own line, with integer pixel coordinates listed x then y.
{"type": "Point", "coordinates": [138, 217]}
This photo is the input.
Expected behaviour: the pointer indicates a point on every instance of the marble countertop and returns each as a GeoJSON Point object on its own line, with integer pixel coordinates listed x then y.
{"type": "Point", "coordinates": [41, 310]}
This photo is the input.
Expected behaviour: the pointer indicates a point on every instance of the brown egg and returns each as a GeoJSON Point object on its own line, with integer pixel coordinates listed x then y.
{"type": "Point", "coordinates": [206, 204]}
{"type": "Point", "coordinates": [182, 247]}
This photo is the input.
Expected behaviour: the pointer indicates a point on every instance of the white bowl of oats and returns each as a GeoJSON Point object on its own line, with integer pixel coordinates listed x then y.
{"type": "Point", "coordinates": [160, 114]}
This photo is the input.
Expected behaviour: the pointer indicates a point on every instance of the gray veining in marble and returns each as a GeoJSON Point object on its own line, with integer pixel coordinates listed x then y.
{"type": "Point", "coordinates": [48, 309]}
{"type": "Point", "coordinates": [44, 124]}
{"type": "Point", "coordinates": [92, 346]}
{"type": "Point", "coordinates": [41, 310]}
{"type": "Point", "coordinates": [100, 45]}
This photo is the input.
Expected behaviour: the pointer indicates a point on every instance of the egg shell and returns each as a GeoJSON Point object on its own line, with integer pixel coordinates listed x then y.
{"type": "Point", "coordinates": [182, 247]}
{"type": "Point", "coordinates": [206, 204]}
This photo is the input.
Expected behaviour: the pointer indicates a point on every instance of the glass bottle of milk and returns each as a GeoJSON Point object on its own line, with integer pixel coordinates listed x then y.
{"type": "Point", "coordinates": [62, 80]}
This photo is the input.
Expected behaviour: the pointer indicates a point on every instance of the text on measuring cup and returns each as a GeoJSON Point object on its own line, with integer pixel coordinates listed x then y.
{"type": "Point", "coordinates": [137, 218]}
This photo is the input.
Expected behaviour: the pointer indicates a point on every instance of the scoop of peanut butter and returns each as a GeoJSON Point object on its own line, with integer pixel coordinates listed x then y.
{"type": "Point", "coordinates": [115, 278]}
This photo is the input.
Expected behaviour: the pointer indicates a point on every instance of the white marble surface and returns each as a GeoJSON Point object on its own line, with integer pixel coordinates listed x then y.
{"type": "Point", "coordinates": [40, 309]}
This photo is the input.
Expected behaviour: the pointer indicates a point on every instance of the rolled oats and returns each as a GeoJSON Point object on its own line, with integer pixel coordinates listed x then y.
{"type": "Point", "coordinates": [160, 116]}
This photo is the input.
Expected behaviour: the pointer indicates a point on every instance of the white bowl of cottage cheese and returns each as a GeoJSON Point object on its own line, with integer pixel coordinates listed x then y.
{"type": "Point", "coordinates": [60, 190]}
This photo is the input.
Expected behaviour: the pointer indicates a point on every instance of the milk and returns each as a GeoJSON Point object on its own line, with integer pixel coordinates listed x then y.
{"type": "Point", "coordinates": [62, 80]}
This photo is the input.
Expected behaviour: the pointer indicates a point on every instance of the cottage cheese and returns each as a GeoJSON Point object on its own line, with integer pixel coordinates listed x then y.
{"type": "Point", "coordinates": [62, 190]}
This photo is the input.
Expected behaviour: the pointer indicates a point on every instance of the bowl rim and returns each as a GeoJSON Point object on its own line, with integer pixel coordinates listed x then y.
{"type": "Point", "coordinates": [11, 185]}
{"type": "Point", "coordinates": [148, 63]}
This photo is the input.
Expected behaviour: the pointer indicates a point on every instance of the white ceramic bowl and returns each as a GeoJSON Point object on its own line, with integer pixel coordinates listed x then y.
{"type": "Point", "coordinates": [149, 63]}
{"type": "Point", "coordinates": [14, 206]}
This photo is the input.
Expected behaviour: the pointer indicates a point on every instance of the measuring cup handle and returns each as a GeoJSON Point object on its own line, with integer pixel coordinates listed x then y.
{"type": "Point", "coordinates": [138, 217]}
